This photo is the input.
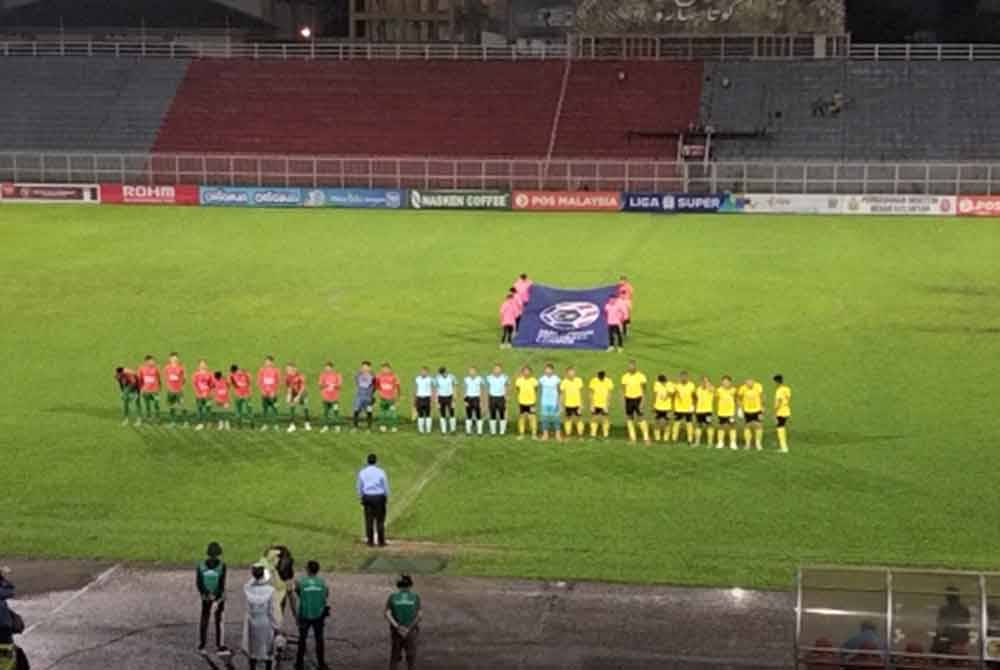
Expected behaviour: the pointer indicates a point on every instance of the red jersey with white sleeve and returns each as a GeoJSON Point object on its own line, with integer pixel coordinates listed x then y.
{"type": "Point", "coordinates": [387, 385]}
{"type": "Point", "coordinates": [220, 390]}
{"type": "Point", "coordinates": [174, 377]}
{"type": "Point", "coordinates": [149, 379]}
{"type": "Point", "coordinates": [268, 380]}
{"type": "Point", "coordinates": [240, 381]}
{"type": "Point", "coordinates": [203, 382]}
{"type": "Point", "coordinates": [329, 385]}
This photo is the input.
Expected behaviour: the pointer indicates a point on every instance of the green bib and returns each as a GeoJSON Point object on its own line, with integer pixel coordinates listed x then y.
{"type": "Point", "coordinates": [211, 577]}
{"type": "Point", "coordinates": [312, 594]}
{"type": "Point", "coordinates": [404, 606]}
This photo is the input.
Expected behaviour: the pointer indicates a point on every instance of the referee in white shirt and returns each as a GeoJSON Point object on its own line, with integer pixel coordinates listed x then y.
{"type": "Point", "coordinates": [373, 490]}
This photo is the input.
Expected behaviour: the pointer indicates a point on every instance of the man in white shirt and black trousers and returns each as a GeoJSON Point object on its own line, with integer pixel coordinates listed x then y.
{"type": "Point", "coordinates": [373, 490]}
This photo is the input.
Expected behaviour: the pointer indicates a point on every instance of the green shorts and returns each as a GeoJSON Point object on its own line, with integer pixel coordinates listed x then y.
{"type": "Point", "coordinates": [301, 400]}
{"type": "Point", "coordinates": [175, 398]}
{"type": "Point", "coordinates": [386, 405]}
{"type": "Point", "coordinates": [331, 404]}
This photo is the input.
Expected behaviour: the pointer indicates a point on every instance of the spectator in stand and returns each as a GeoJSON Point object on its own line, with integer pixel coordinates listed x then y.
{"type": "Point", "coordinates": [837, 103]}
{"type": "Point", "coordinates": [866, 634]}
{"type": "Point", "coordinates": [953, 622]}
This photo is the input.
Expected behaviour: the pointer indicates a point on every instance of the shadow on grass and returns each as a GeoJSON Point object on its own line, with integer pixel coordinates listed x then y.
{"type": "Point", "coordinates": [821, 438]}
{"type": "Point", "coordinates": [956, 329]}
{"type": "Point", "coordinates": [311, 528]}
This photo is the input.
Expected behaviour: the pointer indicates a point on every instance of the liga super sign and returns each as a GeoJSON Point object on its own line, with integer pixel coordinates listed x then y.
{"type": "Point", "coordinates": [565, 318]}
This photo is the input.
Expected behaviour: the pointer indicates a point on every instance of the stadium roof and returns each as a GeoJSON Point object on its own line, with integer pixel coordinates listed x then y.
{"type": "Point", "coordinates": [131, 14]}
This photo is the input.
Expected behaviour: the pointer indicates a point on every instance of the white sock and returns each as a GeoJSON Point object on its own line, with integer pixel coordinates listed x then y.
{"type": "Point", "coordinates": [493, 426]}
{"type": "Point", "coordinates": [444, 425]}
{"type": "Point", "coordinates": [479, 427]}
{"type": "Point", "coordinates": [454, 423]}
{"type": "Point", "coordinates": [503, 426]}
{"type": "Point", "coordinates": [468, 426]}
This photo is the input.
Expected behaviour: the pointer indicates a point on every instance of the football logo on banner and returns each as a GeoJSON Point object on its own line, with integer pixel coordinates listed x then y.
{"type": "Point", "coordinates": [565, 318]}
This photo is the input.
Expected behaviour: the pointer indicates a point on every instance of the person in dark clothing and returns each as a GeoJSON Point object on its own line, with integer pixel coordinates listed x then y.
{"type": "Point", "coordinates": [11, 655]}
{"type": "Point", "coordinates": [210, 578]}
{"type": "Point", "coordinates": [953, 623]}
{"type": "Point", "coordinates": [373, 492]}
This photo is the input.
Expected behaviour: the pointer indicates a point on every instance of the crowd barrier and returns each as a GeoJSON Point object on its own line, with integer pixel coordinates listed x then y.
{"type": "Point", "coordinates": [585, 201]}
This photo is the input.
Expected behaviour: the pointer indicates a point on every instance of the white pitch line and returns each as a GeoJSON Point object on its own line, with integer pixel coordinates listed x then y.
{"type": "Point", "coordinates": [76, 595]}
{"type": "Point", "coordinates": [415, 492]}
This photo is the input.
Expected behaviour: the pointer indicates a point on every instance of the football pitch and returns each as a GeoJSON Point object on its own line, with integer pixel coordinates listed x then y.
{"type": "Point", "coordinates": [887, 330]}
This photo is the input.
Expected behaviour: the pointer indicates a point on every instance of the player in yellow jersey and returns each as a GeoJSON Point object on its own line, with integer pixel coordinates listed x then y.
{"type": "Point", "coordinates": [725, 412]}
{"type": "Point", "coordinates": [571, 388]}
{"type": "Point", "coordinates": [600, 396]}
{"type": "Point", "coordinates": [633, 393]}
{"type": "Point", "coordinates": [527, 395]}
{"type": "Point", "coordinates": [751, 397]}
{"type": "Point", "coordinates": [663, 402]}
{"type": "Point", "coordinates": [683, 408]}
{"type": "Point", "coordinates": [782, 411]}
{"type": "Point", "coordinates": [704, 403]}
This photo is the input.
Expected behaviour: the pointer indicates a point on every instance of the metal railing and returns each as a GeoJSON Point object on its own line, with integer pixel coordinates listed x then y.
{"type": "Point", "coordinates": [486, 173]}
{"type": "Point", "coordinates": [581, 47]}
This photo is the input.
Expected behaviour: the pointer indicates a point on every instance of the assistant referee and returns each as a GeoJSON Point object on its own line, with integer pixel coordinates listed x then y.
{"type": "Point", "coordinates": [373, 491]}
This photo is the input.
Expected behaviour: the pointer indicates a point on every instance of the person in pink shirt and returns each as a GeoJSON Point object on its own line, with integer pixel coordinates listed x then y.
{"type": "Point", "coordinates": [625, 292]}
{"type": "Point", "coordinates": [615, 315]}
{"type": "Point", "coordinates": [522, 286]}
{"type": "Point", "coordinates": [510, 312]}
{"type": "Point", "coordinates": [625, 304]}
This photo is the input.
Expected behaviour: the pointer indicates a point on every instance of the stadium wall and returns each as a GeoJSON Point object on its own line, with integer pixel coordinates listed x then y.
{"type": "Point", "coordinates": [501, 200]}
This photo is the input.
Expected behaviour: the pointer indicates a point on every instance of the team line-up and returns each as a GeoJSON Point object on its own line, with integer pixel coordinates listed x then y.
{"type": "Point", "coordinates": [548, 405]}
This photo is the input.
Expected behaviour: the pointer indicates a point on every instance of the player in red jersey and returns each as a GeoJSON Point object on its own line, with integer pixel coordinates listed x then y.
{"type": "Point", "coordinates": [128, 384]}
{"type": "Point", "coordinates": [387, 388]}
{"type": "Point", "coordinates": [296, 396]}
{"type": "Point", "coordinates": [203, 383]}
{"type": "Point", "coordinates": [239, 380]}
{"type": "Point", "coordinates": [220, 391]}
{"type": "Point", "coordinates": [173, 379]}
{"type": "Point", "coordinates": [330, 382]}
{"type": "Point", "coordinates": [149, 388]}
{"type": "Point", "coordinates": [268, 380]}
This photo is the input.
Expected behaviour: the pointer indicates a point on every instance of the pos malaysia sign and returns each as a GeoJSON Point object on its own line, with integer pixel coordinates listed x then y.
{"type": "Point", "coordinates": [565, 318]}
{"type": "Point", "coordinates": [567, 200]}
{"type": "Point", "coordinates": [979, 205]}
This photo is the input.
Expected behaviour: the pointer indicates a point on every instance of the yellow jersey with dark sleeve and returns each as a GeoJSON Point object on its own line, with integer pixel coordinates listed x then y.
{"type": "Point", "coordinates": [600, 392]}
{"type": "Point", "coordinates": [684, 397]}
{"type": "Point", "coordinates": [751, 397]}
{"type": "Point", "coordinates": [663, 396]}
{"type": "Point", "coordinates": [704, 400]}
{"type": "Point", "coordinates": [725, 398]}
{"type": "Point", "coordinates": [783, 401]}
{"type": "Point", "coordinates": [633, 383]}
{"type": "Point", "coordinates": [527, 390]}
{"type": "Point", "coordinates": [572, 390]}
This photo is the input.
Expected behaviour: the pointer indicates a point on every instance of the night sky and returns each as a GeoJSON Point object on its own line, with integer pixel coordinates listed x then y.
{"type": "Point", "coordinates": [900, 20]}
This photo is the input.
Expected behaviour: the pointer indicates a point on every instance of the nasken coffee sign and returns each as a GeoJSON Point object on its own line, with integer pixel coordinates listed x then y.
{"type": "Point", "coordinates": [711, 16]}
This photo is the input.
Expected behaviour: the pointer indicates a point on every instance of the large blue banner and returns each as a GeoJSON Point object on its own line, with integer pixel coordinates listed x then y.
{"type": "Point", "coordinates": [238, 196]}
{"type": "Point", "coordinates": [565, 318]}
{"type": "Point", "coordinates": [366, 198]}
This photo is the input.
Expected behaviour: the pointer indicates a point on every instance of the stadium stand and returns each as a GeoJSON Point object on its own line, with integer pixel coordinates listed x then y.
{"type": "Point", "coordinates": [439, 109]}
{"type": "Point", "coordinates": [108, 104]}
{"type": "Point", "coordinates": [364, 108]}
{"type": "Point", "coordinates": [891, 111]}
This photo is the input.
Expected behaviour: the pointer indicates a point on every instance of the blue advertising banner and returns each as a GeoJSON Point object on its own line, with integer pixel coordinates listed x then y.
{"type": "Point", "coordinates": [363, 198]}
{"type": "Point", "coordinates": [673, 203]}
{"type": "Point", "coordinates": [565, 318]}
{"type": "Point", "coordinates": [238, 196]}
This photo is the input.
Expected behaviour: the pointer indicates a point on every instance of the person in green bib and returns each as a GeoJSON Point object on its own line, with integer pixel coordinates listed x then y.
{"type": "Point", "coordinates": [313, 610]}
{"type": "Point", "coordinates": [402, 611]}
{"type": "Point", "coordinates": [210, 579]}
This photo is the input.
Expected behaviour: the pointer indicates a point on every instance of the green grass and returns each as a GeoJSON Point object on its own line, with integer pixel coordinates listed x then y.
{"type": "Point", "coordinates": [886, 328]}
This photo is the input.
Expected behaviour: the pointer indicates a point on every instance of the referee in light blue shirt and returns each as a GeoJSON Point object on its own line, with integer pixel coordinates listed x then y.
{"type": "Point", "coordinates": [444, 389]}
{"type": "Point", "coordinates": [473, 383]}
{"type": "Point", "coordinates": [423, 392]}
{"type": "Point", "coordinates": [373, 490]}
